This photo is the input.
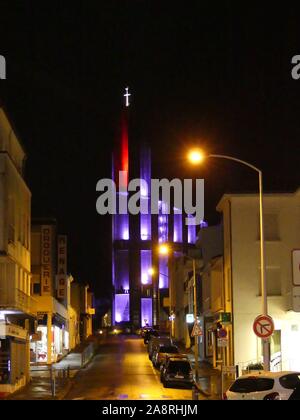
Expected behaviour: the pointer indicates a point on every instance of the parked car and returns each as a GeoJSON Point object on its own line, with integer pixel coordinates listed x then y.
{"type": "Point", "coordinates": [178, 356]}
{"type": "Point", "coordinates": [148, 334]}
{"type": "Point", "coordinates": [155, 342]}
{"type": "Point", "coordinates": [177, 371]}
{"type": "Point", "coordinates": [264, 386]}
{"type": "Point", "coordinates": [160, 353]}
{"type": "Point", "coordinates": [144, 330]}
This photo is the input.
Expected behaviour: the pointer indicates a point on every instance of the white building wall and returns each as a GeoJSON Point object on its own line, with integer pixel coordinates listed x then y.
{"type": "Point", "coordinates": [245, 247]}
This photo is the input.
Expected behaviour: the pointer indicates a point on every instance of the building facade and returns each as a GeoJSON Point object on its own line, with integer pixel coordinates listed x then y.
{"type": "Point", "coordinates": [82, 302]}
{"type": "Point", "coordinates": [232, 281]}
{"type": "Point", "coordinates": [51, 288]}
{"type": "Point", "coordinates": [182, 300]}
{"type": "Point", "coordinates": [140, 276]}
{"type": "Point", "coordinates": [17, 308]}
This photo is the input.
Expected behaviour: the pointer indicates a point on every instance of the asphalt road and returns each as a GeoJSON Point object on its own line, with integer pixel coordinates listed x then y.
{"type": "Point", "coordinates": [121, 370]}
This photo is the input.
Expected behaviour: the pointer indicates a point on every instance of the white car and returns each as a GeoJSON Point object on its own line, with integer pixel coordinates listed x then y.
{"type": "Point", "coordinates": [264, 386]}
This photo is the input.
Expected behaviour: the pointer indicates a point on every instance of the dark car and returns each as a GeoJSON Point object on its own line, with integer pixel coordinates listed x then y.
{"type": "Point", "coordinates": [144, 330]}
{"type": "Point", "coordinates": [155, 342]}
{"type": "Point", "coordinates": [160, 354]}
{"type": "Point", "coordinates": [150, 333]}
{"type": "Point", "coordinates": [163, 364]}
{"type": "Point", "coordinates": [177, 372]}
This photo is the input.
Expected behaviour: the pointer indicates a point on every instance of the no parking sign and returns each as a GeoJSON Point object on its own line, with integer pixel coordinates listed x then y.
{"type": "Point", "coordinates": [263, 326]}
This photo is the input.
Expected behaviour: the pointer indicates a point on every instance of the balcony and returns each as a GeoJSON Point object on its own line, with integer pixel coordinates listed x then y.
{"type": "Point", "coordinates": [91, 311]}
{"type": "Point", "coordinates": [16, 301]}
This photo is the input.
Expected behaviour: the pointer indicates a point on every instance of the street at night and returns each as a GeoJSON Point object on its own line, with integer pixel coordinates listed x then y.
{"type": "Point", "coordinates": [121, 370]}
{"type": "Point", "coordinates": [149, 203]}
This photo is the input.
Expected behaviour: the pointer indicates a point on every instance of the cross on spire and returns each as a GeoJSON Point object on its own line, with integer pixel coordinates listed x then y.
{"type": "Point", "coordinates": [126, 95]}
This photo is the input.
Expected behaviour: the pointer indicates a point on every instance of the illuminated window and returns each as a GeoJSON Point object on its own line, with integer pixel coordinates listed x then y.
{"type": "Point", "coordinates": [146, 265]}
{"type": "Point", "coordinates": [122, 308]}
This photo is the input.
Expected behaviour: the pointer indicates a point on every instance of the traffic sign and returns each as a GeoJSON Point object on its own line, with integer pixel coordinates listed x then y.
{"type": "Point", "coordinates": [197, 330]}
{"type": "Point", "coordinates": [189, 318]}
{"type": "Point", "coordinates": [225, 318]}
{"type": "Point", "coordinates": [222, 333]}
{"type": "Point", "coordinates": [263, 326]}
{"type": "Point", "coordinates": [223, 342]}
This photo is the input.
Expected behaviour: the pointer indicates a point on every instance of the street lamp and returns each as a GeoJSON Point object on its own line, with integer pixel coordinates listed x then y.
{"type": "Point", "coordinates": [164, 250]}
{"type": "Point", "coordinates": [196, 157]}
{"type": "Point", "coordinates": [195, 316]}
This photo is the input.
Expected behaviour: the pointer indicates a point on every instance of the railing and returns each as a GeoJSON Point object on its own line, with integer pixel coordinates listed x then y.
{"type": "Point", "coordinates": [276, 363]}
{"type": "Point", "coordinates": [15, 299]}
{"type": "Point", "coordinates": [88, 354]}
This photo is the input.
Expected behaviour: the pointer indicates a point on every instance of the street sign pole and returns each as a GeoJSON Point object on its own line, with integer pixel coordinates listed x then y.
{"type": "Point", "coordinates": [196, 320]}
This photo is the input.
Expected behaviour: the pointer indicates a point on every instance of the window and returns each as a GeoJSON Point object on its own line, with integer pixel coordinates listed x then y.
{"type": "Point", "coordinates": [168, 349]}
{"type": "Point", "coordinates": [180, 366]}
{"type": "Point", "coordinates": [247, 385]}
{"type": "Point", "coordinates": [36, 288]}
{"type": "Point", "coordinates": [11, 220]}
{"type": "Point", "coordinates": [290, 381]}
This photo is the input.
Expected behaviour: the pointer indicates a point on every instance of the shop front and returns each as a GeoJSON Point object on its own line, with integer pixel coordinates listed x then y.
{"type": "Point", "coordinates": [14, 345]}
{"type": "Point", "coordinates": [59, 341]}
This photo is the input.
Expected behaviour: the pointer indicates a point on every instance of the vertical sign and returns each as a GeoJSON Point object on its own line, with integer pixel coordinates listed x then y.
{"type": "Point", "coordinates": [296, 280]}
{"type": "Point", "coordinates": [46, 259]}
{"type": "Point", "coordinates": [62, 267]}
{"type": "Point", "coordinates": [296, 267]}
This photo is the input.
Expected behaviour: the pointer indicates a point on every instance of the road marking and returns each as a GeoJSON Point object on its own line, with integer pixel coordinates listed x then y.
{"type": "Point", "coordinates": [155, 373]}
{"type": "Point", "coordinates": [123, 396]}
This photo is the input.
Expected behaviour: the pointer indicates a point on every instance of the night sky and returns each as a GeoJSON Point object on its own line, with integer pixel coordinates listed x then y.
{"type": "Point", "coordinates": [207, 73]}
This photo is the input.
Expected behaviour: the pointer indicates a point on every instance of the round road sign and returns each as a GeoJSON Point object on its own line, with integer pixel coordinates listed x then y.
{"type": "Point", "coordinates": [263, 326]}
{"type": "Point", "coordinates": [222, 333]}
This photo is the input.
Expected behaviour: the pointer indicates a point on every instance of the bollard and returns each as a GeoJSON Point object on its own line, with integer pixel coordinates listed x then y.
{"type": "Point", "coordinates": [52, 381]}
{"type": "Point", "coordinates": [195, 393]}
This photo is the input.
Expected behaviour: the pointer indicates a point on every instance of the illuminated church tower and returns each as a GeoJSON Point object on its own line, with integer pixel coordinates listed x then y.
{"type": "Point", "coordinates": [140, 276]}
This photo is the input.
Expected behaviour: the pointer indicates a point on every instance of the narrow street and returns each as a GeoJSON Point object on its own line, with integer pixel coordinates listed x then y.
{"type": "Point", "coordinates": [121, 370]}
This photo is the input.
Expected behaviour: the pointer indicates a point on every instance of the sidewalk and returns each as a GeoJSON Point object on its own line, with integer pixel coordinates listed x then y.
{"type": "Point", "coordinates": [40, 385]}
{"type": "Point", "coordinates": [209, 378]}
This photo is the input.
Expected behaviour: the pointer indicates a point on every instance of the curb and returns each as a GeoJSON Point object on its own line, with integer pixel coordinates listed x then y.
{"type": "Point", "coordinates": [71, 383]}
{"type": "Point", "coordinates": [67, 389]}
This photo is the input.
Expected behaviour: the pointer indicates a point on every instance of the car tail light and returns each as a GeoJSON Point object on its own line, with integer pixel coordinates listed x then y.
{"type": "Point", "coordinates": [225, 396]}
{"type": "Point", "coordinates": [273, 396]}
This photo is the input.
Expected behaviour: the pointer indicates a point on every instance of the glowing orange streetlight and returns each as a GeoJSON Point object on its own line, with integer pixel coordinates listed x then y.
{"type": "Point", "coordinates": [163, 249]}
{"type": "Point", "coordinates": [196, 156]}
{"type": "Point", "coordinates": [151, 271]}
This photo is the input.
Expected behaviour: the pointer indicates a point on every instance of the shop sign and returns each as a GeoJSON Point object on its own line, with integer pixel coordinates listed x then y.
{"type": "Point", "coordinates": [13, 331]}
{"type": "Point", "coordinates": [46, 260]}
{"type": "Point", "coordinates": [61, 278]}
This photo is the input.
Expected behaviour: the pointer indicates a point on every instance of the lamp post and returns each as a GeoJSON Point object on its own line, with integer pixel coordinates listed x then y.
{"type": "Point", "coordinates": [196, 352]}
{"type": "Point", "coordinates": [197, 157]}
{"type": "Point", "coordinates": [165, 250]}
